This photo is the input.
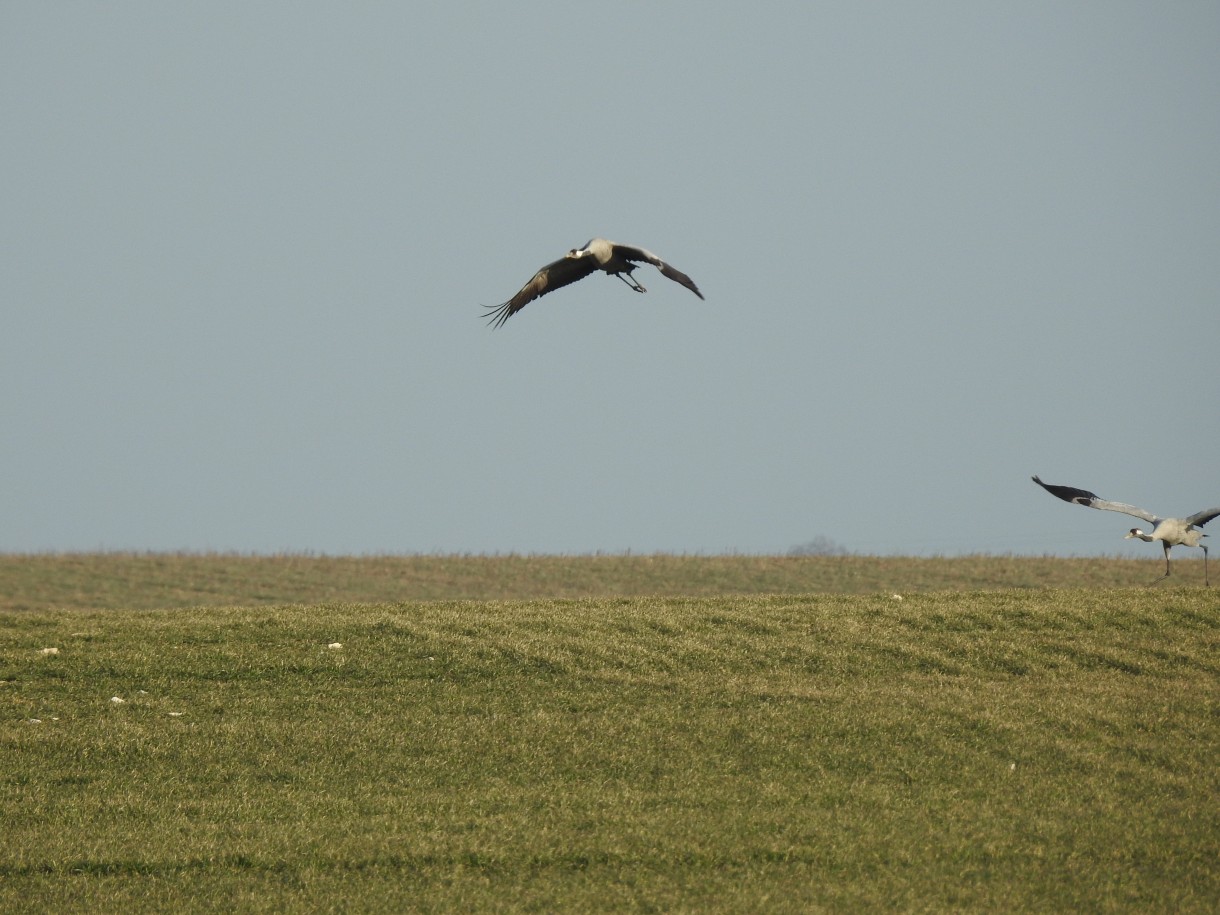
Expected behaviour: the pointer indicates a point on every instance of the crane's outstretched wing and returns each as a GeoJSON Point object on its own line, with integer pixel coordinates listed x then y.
{"type": "Point", "coordinates": [553, 276]}
{"type": "Point", "coordinates": [1198, 519]}
{"type": "Point", "coordinates": [1090, 500]}
{"type": "Point", "coordinates": [640, 255]}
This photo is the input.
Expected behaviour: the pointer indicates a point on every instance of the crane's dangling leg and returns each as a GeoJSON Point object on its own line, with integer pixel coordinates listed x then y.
{"type": "Point", "coordinates": [631, 281]}
{"type": "Point", "coordinates": [1206, 583]}
{"type": "Point", "coordinates": [1166, 575]}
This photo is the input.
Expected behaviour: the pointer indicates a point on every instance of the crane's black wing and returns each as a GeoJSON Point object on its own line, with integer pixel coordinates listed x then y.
{"type": "Point", "coordinates": [1091, 500]}
{"type": "Point", "coordinates": [641, 255]}
{"type": "Point", "coordinates": [553, 276]}
{"type": "Point", "coordinates": [1198, 519]}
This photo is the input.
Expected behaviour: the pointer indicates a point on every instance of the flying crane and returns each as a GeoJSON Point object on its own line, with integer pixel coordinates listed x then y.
{"type": "Point", "coordinates": [597, 254]}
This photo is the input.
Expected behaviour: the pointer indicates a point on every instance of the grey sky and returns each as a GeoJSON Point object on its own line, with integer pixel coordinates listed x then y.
{"type": "Point", "coordinates": [245, 250]}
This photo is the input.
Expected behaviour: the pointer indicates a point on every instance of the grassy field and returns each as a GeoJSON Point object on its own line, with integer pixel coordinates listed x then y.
{"type": "Point", "coordinates": [129, 581]}
{"type": "Point", "coordinates": [1012, 749]}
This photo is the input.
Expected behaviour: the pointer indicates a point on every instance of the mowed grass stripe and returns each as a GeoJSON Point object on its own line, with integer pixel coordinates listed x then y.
{"type": "Point", "coordinates": [1014, 750]}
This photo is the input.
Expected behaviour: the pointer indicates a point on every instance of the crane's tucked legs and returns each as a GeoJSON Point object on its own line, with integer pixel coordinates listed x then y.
{"type": "Point", "coordinates": [631, 281]}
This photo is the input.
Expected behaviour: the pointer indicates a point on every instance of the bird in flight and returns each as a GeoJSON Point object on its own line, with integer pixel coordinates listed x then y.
{"type": "Point", "coordinates": [597, 254]}
{"type": "Point", "coordinates": [1170, 531]}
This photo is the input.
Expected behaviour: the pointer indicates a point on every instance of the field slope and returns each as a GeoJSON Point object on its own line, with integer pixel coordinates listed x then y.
{"type": "Point", "coordinates": [1007, 750]}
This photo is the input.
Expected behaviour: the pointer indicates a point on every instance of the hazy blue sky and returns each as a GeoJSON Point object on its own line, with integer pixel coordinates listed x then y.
{"type": "Point", "coordinates": [246, 248]}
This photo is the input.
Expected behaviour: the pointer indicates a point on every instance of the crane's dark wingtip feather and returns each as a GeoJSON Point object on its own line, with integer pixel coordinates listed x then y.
{"type": "Point", "coordinates": [497, 314]}
{"type": "Point", "coordinates": [1069, 493]}
{"type": "Point", "coordinates": [673, 273]}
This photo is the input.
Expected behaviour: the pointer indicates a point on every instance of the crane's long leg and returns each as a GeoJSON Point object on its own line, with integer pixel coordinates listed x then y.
{"type": "Point", "coordinates": [631, 281]}
{"type": "Point", "coordinates": [1166, 575]}
{"type": "Point", "coordinates": [1206, 583]}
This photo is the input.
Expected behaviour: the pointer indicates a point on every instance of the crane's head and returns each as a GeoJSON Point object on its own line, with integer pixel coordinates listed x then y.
{"type": "Point", "coordinates": [597, 248]}
{"type": "Point", "coordinates": [1136, 532]}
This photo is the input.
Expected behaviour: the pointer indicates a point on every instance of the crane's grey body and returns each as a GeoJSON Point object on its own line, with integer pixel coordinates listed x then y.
{"type": "Point", "coordinates": [1170, 531]}
{"type": "Point", "coordinates": [597, 254]}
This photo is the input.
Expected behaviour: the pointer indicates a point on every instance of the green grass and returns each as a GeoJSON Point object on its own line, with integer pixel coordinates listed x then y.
{"type": "Point", "coordinates": [1035, 750]}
